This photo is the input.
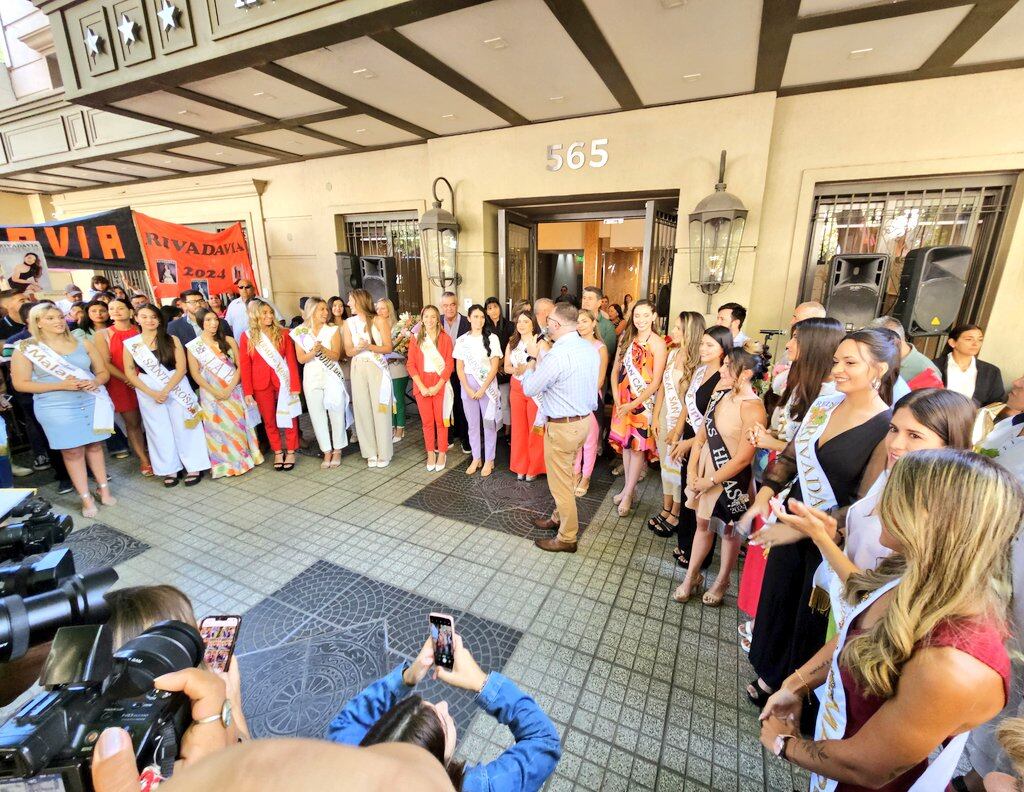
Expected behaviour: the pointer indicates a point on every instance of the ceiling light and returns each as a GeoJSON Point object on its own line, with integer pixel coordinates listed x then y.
{"type": "Point", "coordinates": [218, 153]}
{"type": "Point", "coordinates": [556, 98]}
{"type": "Point", "coordinates": [258, 93]}
{"type": "Point", "coordinates": [692, 77]}
{"type": "Point", "coordinates": [183, 112]}
{"type": "Point", "coordinates": [496, 43]}
{"type": "Point", "coordinates": [673, 3]}
{"type": "Point", "coordinates": [366, 74]}
{"type": "Point", "coordinates": [360, 131]}
{"type": "Point", "coordinates": [859, 53]}
{"type": "Point", "coordinates": [448, 115]}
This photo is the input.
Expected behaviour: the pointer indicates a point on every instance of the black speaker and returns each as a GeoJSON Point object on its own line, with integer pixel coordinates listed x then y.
{"type": "Point", "coordinates": [349, 275]}
{"type": "Point", "coordinates": [855, 286]}
{"type": "Point", "coordinates": [932, 287]}
{"type": "Point", "coordinates": [380, 278]}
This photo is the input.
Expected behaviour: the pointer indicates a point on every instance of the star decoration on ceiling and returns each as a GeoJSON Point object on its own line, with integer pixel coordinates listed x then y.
{"type": "Point", "coordinates": [168, 15]}
{"type": "Point", "coordinates": [127, 30]}
{"type": "Point", "coordinates": [92, 43]}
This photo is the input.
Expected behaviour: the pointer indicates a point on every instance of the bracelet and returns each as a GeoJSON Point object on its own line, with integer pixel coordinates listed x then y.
{"type": "Point", "coordinates": [807, 688]}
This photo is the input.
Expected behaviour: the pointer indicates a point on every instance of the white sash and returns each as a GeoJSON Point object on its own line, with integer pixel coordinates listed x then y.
{"type": "Point", "coordinates": [221, 369]}
{"type": "Point", "coordinates": [637, 384]}
{"type": "Point", "coordinates": [434, 362]}
{"type": "Point", "coordinates": [518, 357]}
{"type": "Point", "coordinates": [831, 724]}
{"type": "Point", "coordinates": [335, 394]}
{"type": "Point", "coordinates": [1005, 444]}
{"type": "Point", "coordinates": [288, 405]}
{"type": "Point", "coordinates": [56, 365]}
{"type": "Point", "coordinates": [674, 405]}
{"type": "Point", "coordinates": [694, 416]}
{"type": "Point", "coordinates": [480, 368]}
{"type": "Point", "coordinates": [360, 332]}
{"type": "Point", "coordinates": [815, 488]}
{"type": "Point", "coordinates": [146, 360]}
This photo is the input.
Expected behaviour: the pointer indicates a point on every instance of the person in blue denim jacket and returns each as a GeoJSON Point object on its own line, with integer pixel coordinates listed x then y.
{"type": "Point", "coordinates": [383, 713]}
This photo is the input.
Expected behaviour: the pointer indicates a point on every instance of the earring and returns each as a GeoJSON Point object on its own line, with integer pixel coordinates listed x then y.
{"type": "Point", "coordinates": [876, 383]}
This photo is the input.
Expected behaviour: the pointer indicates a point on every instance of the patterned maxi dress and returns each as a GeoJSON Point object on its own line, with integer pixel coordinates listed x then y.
{"type": "Point", "coordinates": [234, 448]}
{"type": "Point", "coordinates": [633, 431]}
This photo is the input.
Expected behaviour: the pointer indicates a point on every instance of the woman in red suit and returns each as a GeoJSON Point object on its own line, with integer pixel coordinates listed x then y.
{"type": "Point", "coordinates": [527, 460]}
{"type": "Point", "coordinates": [430, 365]}
{"type": "Point", "coordinates": [269, 367]}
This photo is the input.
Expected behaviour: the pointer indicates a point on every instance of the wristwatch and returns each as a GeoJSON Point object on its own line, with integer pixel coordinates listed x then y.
{"type": "Point", "coordinates": [779, 749]}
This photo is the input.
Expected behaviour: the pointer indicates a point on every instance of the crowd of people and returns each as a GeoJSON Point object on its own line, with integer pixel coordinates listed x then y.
{"type": "Point", "coordinates": [873, 494]}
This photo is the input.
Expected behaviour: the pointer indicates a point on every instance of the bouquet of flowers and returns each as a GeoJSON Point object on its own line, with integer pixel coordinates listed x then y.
{"type": "Point", "coordinates": [401, 332]}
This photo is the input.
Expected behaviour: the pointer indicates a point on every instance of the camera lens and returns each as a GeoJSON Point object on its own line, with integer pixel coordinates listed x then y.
{"type": "Point", "coordinates": [165, 647]}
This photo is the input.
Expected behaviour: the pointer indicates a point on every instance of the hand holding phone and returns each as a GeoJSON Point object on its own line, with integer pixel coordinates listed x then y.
{"type": "Point", "coordinates": [465, 674]}
{"type": "Point", "coordinates": [220, 633]}
{"type": "Point", "coordinates": [442, 633]}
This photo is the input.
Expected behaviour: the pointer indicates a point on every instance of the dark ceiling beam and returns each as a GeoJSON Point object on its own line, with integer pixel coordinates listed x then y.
{"type": "Point", "coordinates": [279, 72]}
{"type": "Point", "coordinates": [220, 104]}
{"type": "Point", "coordinates": [778, 23]}
{"type": "Point", "coordinates": [437, 68]}
{"type": "Point", "coordinates": [577, 21]}
{"type": "Point", "coordinates": [979, 21]}
{"type": "Point", "coordinates": [327, 138]}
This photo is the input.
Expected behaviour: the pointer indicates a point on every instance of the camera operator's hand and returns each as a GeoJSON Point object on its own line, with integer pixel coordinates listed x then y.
{"type": "Point", "coordinates": [414, 674]}
{"type": "Point", "coordinates": [465, 674]}
{"type": "Point", "coordinates": [113, 763]}
{"type": "Point", "coordinates": [208, 692]}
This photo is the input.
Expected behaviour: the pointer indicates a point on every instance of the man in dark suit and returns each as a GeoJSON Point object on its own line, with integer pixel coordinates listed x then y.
{"type": "Point", "coordinates": [455, 325]}
{"type": "Point", "coordinates": [185, 328]}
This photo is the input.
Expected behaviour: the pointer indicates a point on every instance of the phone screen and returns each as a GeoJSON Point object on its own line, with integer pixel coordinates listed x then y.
{"type": "Point", "coordinates": [442, 632]}
{"type": "Point", "coordinates": [219, 634]}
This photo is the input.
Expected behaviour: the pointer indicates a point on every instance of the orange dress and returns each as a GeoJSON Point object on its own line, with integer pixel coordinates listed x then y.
{"type": "Point", "coordinates": [633, 430]}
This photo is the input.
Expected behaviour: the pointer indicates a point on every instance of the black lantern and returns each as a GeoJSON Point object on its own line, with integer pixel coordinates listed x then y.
{"type": "Point", "coordinates": [439, 241]}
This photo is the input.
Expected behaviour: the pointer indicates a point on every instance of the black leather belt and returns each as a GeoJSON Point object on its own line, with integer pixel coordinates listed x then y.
{"type": "Point", "coordinates": [569, 419]}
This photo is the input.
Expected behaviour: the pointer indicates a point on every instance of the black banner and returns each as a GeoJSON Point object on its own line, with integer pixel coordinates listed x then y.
{"type": "Point", "coordinates": [100, 241]}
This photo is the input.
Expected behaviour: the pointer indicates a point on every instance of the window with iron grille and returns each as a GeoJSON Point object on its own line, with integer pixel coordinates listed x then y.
{"type": "Point", "coordinates": [394, 234]}
{"type": "Point", "coordinates": [895, 217]}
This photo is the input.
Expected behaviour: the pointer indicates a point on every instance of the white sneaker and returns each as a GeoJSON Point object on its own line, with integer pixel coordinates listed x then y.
{"type": "Point", "coordinates": [371, 462]}
{"type": "Point", "coordinates": [383, 462]}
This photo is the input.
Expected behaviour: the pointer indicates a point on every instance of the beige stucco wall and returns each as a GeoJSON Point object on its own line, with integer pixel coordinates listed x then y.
{"type": "Point", "coordinates": [15, 209]}
{"type": "Point", "coordinates": [964, 124]}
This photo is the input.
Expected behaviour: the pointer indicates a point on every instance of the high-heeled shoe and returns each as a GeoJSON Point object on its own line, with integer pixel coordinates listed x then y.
{"type": "Point", "coordinates": [336, 459]}
{"type": "Point", "coordinates": [679, 597]}
{"type": "Point", "coordinates": [326, 464]}
{"type": "Point", "coordinates": [109, 500]}
{"type": "Point", "coordinates": [442, 461]}
{"type": "Point", "coordinates": [474, 466]}
{"type": "Point", "coordinates": [487, 469]}
{"type": "Point", "coordinates": [89, 507]}
{"type": "Point", "coordinates": [617, 499]}
{"type": "Point", "coordinates": [625, 506]}
{"type": "Point", "coordinates": [582, 488]}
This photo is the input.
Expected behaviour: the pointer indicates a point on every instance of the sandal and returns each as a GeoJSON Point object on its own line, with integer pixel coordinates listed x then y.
{"type": "Point", "coordinates": [696, 585]}
{"type": "Point", "coordinates": [109, 500]}
{"type": "Point", "coordinates": [746, 629]}
{"type": "Point", "coordinates": [193, 478]}
{"type": "Point", "coordinates": [336, 459]}
{"type": "Point", "coordinates": [326, 464]}
{"type": "Point", "coordinates": [488, 468]}
{"type": "Point", "coordinates": [89, 507]}
{"type": "Point", "coordinates": [473, 467]}
{"type": "Point", "coordinates": [147, 471]}
{"type": "Point", "coordinates": [658, 520]}
{"type": "Point", "coordinates": [667, 529]}
{"type": "Point", "coordinates": [171, 481]}
{"type": "Point", "coordinates": [712, 600]}
{"type": "Point", "coordinates": [291, 465]}
{"type": "Point", "coordinates": [279, 463]}
{"type": "Point", "coordinates": [745, 645]}
{"type": "Point", "coordinates": [757, 695]}
{"type": "Point", "coordinates": [582, 488]}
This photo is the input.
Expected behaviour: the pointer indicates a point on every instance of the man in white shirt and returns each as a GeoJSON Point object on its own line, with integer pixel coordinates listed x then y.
{"type": "Point", "coordinates": [731, 316]}
{"type": "Point", "coordinates": [72, 295]}
{"type": "Point", "coordinates": [237, 315]}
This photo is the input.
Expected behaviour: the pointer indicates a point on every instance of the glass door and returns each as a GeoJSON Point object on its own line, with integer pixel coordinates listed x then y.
{"type": "Point", "coordinates": [517, 258]}
{"type": "Point", "coordinates": [658, 258]}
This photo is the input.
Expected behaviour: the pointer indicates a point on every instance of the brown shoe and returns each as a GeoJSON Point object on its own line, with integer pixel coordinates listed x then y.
{"type": "Point", "coordinates": [545, 523]}
{"type": "Point", "coordinates": [556, 545]}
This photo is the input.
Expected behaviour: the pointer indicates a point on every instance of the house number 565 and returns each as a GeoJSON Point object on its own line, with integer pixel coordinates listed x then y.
{"type": "Point", "coordinates": [576, 155]}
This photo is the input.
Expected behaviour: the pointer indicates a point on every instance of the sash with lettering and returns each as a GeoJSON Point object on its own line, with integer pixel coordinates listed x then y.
{"type": "Point", "coordinates": [223, 371]}
{"type": "Point", "coordinates": [146, 360]}
{"type": "Point", "coordinates": [288, 405]}
{"type": "Point", "coordinates": [814, 484]}
{"type": "Point", "coordinates": [434, 362]}
{"type": "Point", "coordinates": [360, 332]}
{"type": "Point", "coordinates": [518, 357]}
{"type": "Point", "coordinates": [735, 497]}
{"type": "Point", "coordinates": [637, 383]}
{"type": "Point", "coordinates": [674, 406]}
{"type": "Point", "coordinates": [693, 415]}
{"type": "Point", "coordinates": [335, 393]}
{"type": "Point", "coordinates": [480, 368]}
{"type": "Point", "coordinates": [57, 366]}
{"type": "Point", "coordinates": [831, 724]}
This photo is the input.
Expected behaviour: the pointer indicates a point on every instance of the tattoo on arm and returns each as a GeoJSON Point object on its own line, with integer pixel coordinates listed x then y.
{"type": "Point", "coordinates": [814, 749]}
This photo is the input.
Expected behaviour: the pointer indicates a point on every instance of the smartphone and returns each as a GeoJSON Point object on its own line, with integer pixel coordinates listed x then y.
{"type": "Point", "coordinates": [219, 634]}
{"type": "Point", "coordinates": [442, 631]}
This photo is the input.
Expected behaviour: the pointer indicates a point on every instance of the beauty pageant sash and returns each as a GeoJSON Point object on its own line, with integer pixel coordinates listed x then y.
{"type": "Point", "coordinates": [815, 488]}
{"type": "Point", "coordinates": [693, 415]}
{"type": "Point", "coordinates": [434, 362]}
{"type": "Point", "coordinates": [57, 366]}
{"type": "Point", "coordinates": [335, 393]}
{"type": "Point", "coordinates": [221, 369]}
{"type": "Point", "coordinates": [518, 357]}
{"type": "Point", "coordinates": [637, 383]}
{"type": "Point", "coordinates": [146, 360]}
{"type": "Point", "coordinates": [288, 405]}
{"type": "Point", "coordinates": [360, 332]}
{"type": "Point", "coordinates": [480, 368]}
{"type": "Point", "coordinates": [735, 497]}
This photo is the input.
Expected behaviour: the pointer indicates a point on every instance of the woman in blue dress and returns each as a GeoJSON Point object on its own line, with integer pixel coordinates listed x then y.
{"type": "Point", "coordinates": [65, 376]}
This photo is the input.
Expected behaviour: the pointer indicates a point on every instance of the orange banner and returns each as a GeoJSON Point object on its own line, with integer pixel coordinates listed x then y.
{"type": "Point", "coordinates": [180, 258]}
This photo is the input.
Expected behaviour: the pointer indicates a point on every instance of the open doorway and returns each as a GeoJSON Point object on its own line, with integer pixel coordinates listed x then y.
{"type": "Point", "coordinates": [624, 244]}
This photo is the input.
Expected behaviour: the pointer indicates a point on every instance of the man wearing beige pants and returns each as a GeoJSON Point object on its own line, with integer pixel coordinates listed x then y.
{"type": "Point", "coordinates": [564, 384]}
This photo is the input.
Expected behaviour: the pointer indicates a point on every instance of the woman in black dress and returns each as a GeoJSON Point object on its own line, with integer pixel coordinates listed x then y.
{"type": "Point", "coordinates": [851, 453]}
{"type": "Point", "coordinates": [503, 328]}
{"type": "Point", "coordinates": [714, 348]}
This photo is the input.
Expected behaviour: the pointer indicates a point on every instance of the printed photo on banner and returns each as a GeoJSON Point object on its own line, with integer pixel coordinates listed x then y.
{"type": "Point", "coordinates": [167, 271]}
{"type": "Point", "coordinates": [23, 267]}
{"type": "Point", "coordinates": [202, 286]}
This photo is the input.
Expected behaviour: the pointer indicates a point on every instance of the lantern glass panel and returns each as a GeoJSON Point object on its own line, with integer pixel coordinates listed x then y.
{"type": "Point", "coordinates": [696, 251]}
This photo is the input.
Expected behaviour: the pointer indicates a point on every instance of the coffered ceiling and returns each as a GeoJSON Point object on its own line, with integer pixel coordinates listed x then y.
{"type": "Point", "coordinates": [413, 71]}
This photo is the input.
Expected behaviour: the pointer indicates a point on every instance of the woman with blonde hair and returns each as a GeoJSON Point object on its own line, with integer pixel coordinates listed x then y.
{"type": "Point", "coordinates": [919, 657]}
{"type": "Point", "coordinates": [398, 370]}
{"type": "Point", "coordinates": [270, 380]}
{"type": "Point", "coordinates": [682, 361]}
{"type": "Point", "coordinates": [318, 348]}
{"type": "Point", "coordinates": [367, 341]}
{"type": "Point", "coordinates": [65, 376]}
{"type": "Point", "coordinates": [430, 366]}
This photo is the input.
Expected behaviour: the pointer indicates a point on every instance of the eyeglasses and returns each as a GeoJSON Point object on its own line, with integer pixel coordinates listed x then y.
{"type": "Point", "coordinates": [194, 301]}
{"type": "Point", "coordinates": [246, 286]}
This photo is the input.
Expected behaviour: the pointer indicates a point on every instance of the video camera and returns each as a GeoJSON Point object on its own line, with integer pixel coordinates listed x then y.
{"type": "Point", "coordinates": [41, 596]}
{"type": "Point", "coordinates": [34, 527]}
{"type": "Point", "coordinates": [89, 688]}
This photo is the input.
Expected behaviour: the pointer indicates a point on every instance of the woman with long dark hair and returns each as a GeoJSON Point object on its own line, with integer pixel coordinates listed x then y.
{"type": "Point", "coordinates": [962, 371]}
{"type": "Point", "coordinates": [213, 361]}
{"type": "Point", "coordinates": [430, 366]}
{"type": "Point", "coordinates": [587, 327]}
{"type": "Point", "coordinates": [477, 355]}
{"type": "Point", "coordinates": [367, 340]}
{"type": "Point", "coordinates": [504, 328]}
{"type": "Point", "coordinates": [25, 275]}
{"type": "Point", "coordinates": [155, 365]}
{"type": "Point", "coordinates": [96, 318]}
{"type": "Point", "coordinates": [527, 457]}
{"type": "Point", "coordinates": [826, 466]}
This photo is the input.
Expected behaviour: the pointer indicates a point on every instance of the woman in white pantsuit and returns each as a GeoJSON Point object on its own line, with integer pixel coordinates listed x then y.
{"type": "Point", "coordinates": [367, 340]}
{"type": "Point", "coordinates": [318, 349]}
{"type": "Point", "coordinates": [155, 365]}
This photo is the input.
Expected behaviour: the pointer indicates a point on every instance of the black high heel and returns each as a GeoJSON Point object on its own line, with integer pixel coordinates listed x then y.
{"type": "Point", "coordinates": [289, 465]}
